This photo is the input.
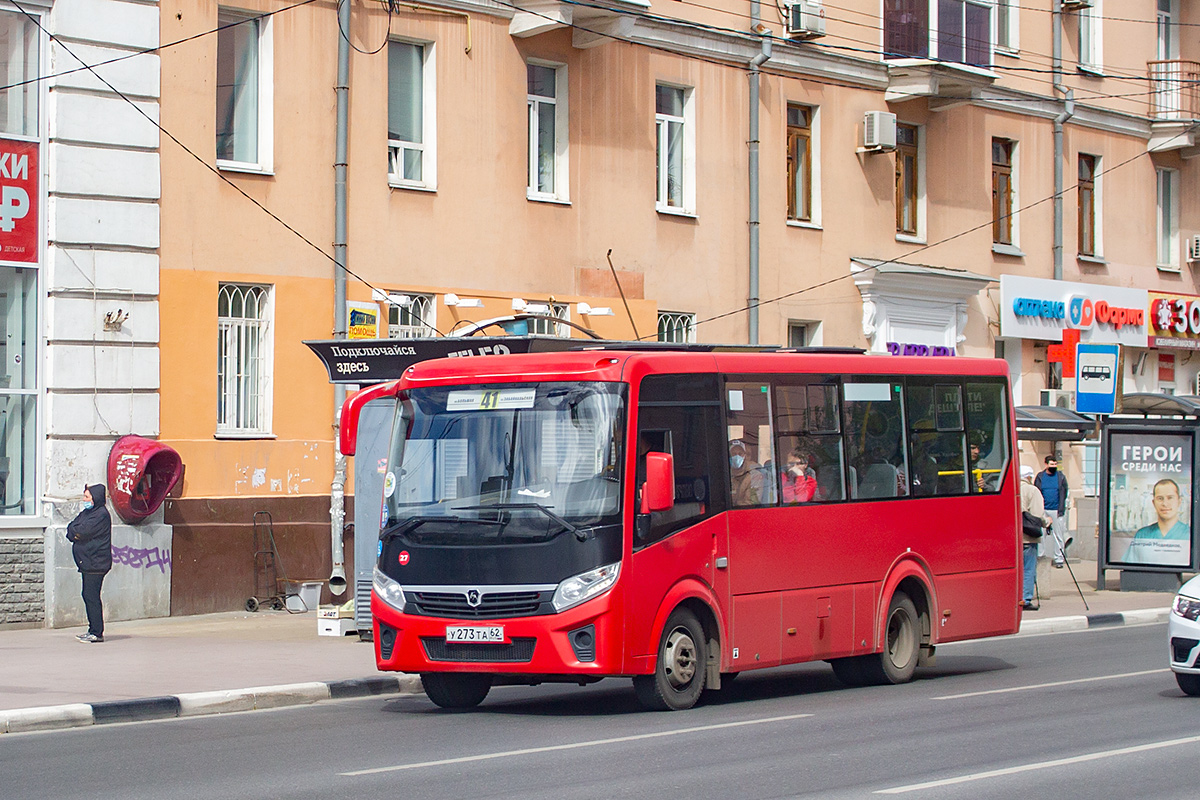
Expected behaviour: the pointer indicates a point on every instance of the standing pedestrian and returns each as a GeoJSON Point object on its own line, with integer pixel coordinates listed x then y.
{"type": "Point", "coordinates": [90, 534]}
{"type": "Point", "coordinates": [1031, 503]}
{"type": "Point", "coordinates": [1053, 486]}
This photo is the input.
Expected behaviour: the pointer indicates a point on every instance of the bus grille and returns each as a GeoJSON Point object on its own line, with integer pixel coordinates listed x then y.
{"type": "Point", "coordinates": [491, 606]}
{"type": "Point", "coordinates": [520, 651]}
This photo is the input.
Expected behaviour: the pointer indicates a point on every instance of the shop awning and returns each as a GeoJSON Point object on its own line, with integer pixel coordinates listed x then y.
{"type": "Point", "coordinates": [1052, 424]}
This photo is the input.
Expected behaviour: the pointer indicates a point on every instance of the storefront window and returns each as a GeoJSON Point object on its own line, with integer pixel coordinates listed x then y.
{"type": "Point", "coordinates": [18, 390]}
{"type": "Point", "coordinates": [18, 71]}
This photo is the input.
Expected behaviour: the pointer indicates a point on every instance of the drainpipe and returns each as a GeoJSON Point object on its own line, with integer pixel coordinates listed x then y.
{"type": "Point", "coordinates": [1067, 112]}
{"type": "Point", "coordinates": [337, 492]}
{"type": "Point", "coordinates": [755, 63]}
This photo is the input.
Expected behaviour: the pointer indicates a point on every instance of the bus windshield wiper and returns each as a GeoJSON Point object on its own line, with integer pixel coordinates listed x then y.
{"type": "Point", "coordinates": [412, 523]}
{"type": "Point", "coordinates": [580, 534]}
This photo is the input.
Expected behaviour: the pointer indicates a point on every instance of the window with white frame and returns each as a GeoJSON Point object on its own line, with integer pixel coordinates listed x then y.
{"type": "Point", "coordinates": [546, 102]}
{"type": "Point", "coordinates": [411, 319]}
{"type": "Point", "coordinates": [244, 359]}
{"type": "Point", "coordinates": [1168, 219]}
{"type": "Point", "coordinates": [1004, 192]}
{"type": "Point", "coordinates": [412, 115]}
{"type": "Point", "coordinates": [545, 326]}
{"type": "Point", "coordinates": [910, 183]}
{"type": "Point", "coordinates": [18, 73]}
{"type": "Point", "coordinates": [799, 163]}
{"type": "Point", "coordinates": [244, 91]}
{"type": "Point", "coordinates": [676, 326]}
{"type": "Point", "coordinates": [962, 34]}
{"type": "Point", "coordinates": [1089, 225]}
{"type": "Point", "coordinates": [675, 144]}
{"type": "Point", "coordinates": [1008, 25]}
{"type": "Point", "coordinates": [1090, 40]}
{"type": "Point", "coordinates": [19, 379]}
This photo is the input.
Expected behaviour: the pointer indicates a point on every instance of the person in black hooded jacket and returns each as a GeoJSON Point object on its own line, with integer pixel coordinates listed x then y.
{"type": "Point", "coordinates": [90, 534]}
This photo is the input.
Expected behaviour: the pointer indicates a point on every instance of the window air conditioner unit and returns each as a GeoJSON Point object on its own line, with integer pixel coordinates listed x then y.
{"type": "Point", "coordinates": [879, 131]}
{"type": "Point", "coordinates": [1193, 248]}
{"type": "Point", "coordinates": [805, 20]}
{"type": "Point", "coordinates": [1062, 398]}
{"type": "Point", "coordinates": [1075, 5]}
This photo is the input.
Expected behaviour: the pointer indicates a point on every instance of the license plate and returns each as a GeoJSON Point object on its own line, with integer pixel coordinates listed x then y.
{"type": "Point", "coordinates": [474, 633]}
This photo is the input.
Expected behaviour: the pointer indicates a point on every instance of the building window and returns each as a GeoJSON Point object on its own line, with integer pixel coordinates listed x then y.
{"type": "Point", "coordinates": [1008, 25]}
{"type": "Point", "coordinates": [243, 91]}
{"type": "Point", "coordinates": [1168, 219]}
{"type": "Point", "coordinates": [544, 325]}
{"type": "Point", "coordinates": [413, 319]}
{"type": "Point", "coordinates": [798, 334]}
{"type": "Point", "coordinates": [243, 359]}
{"type": "Point", "coordinates": [907, 180]}
{"type": "Point", "coordinates": [963, 34]}
{"type": "Point", "coordinates": [676, 326]}
{"type": "Point", "coordinates": [19, 73]}
{"type": "Point", "coordinates": [547, 108]}
{"type": "Point", "coordinates": [1088, 172]}
{"type": "Point", "coordinates": [799, 163]}
{"type": "Point", "coordinates": [411, 115]}
{"type": "Point", "coordinates": [19, 391]}
{"type": "Point", "coordinates": [1090, 20]}
{"type": "Point", "coordinates": [676, 148]}
{"type": "Point", "coordinates": [1003, 191]}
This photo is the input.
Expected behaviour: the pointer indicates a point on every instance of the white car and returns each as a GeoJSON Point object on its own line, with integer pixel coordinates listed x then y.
{"type": "Point", "coordinates": [1183, 636]}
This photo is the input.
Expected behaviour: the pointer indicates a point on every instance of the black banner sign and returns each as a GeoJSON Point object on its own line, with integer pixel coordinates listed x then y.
{"type": "Point", "coordinates": [365, 361]}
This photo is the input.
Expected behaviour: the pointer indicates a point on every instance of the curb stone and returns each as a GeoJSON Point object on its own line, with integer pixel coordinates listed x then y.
{"type": "Point", "coordinates": [1083, 622]}
{"type": "Point", "coordinates": [78, 715]}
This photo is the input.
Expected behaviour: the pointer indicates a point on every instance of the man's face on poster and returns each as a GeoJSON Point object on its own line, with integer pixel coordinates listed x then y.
{"type": "Point", "coordinates": [1166, 502]}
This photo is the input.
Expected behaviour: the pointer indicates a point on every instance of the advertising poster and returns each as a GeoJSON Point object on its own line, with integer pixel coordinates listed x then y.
{"type": "Point", "coordinates": [18, 201]}
{"type": "Point", "coordinates": [1150, 499]}
{"type": "Point", "coordinates": [363, 319]}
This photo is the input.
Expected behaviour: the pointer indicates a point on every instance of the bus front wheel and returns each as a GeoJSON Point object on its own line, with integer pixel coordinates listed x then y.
{"type": "Point", "coordinates": [679, 675]}
{"type": "Point", "coordinates": [456, 690]}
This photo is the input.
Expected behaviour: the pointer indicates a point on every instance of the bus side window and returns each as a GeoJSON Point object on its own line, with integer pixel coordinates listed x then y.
{"type": "Point", "coordinates": [873, 417]}
{"type": "Point", "coordinates": [753, 472]}
{"type": "Point", "coordinates": [806, 424]}
{"type": "Point", "coordinates": [987, 426]}
{"type": "Point", "coordinates": [935, 426]}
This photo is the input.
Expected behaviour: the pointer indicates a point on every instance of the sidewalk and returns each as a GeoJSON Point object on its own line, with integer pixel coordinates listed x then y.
{"type": "Point", "coordinates": [236, 661]}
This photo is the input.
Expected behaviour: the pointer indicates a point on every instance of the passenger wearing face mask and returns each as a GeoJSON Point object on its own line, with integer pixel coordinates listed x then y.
{"type": "Point", "coordinates": [1053, 486]}
{"type": "Point", "coordinates": [746, 479]}
{"type": "Point", "coordinates": [800, 480]}
{"type": "Point", "coordinates": [90, 534]}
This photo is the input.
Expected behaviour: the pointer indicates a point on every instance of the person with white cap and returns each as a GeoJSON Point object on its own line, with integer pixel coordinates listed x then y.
{"type": "Point", "coordinates": [1031, 503]}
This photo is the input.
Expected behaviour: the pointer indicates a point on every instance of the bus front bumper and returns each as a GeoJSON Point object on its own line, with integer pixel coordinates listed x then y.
{"type": "Point", "coordinates": [581, 641]}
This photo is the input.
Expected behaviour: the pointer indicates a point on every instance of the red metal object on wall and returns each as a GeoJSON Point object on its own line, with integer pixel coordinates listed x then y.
{"type": "Point", "coordinates": [141, 472]}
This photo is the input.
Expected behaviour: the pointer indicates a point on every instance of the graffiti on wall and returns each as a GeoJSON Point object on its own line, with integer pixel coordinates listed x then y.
{"type": "Point", "coordinates": [143, 558]}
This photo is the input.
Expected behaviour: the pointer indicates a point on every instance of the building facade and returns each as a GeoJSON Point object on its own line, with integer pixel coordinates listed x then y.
{"type": "Point", "coordinates": [889, 174]}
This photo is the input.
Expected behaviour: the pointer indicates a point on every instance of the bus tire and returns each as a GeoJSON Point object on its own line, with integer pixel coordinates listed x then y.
{"type": "Point", "coordinates": [1190, 684]}
{"type": "Point", "coordinates": [901, 642]}
{"type": "Point", "coordinates": [456, 690]}
{"type": "Point", "coordinates": [852, 671]}
{"type": "Point", "coordinates": [679, 673]}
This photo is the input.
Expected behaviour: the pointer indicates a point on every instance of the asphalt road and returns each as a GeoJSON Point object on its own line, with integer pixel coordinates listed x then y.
{"type": "Point", "coordinates": [1079, 715]}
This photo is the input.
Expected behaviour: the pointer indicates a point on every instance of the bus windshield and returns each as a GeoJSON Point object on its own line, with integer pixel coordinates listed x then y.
{"type": "Point", "coordinates": [508, 463]}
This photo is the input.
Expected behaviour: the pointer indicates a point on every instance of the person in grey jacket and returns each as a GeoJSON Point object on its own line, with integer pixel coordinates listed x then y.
{"type": "Point", "coordinates": [90, 534]}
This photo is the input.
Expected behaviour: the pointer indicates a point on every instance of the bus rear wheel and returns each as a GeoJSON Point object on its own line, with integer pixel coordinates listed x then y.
{"type": "Point", "coordinates": [456, 690]}
{"type": "Point", "coordinates": [901, 649]}
{"type": "Point", "coordinates": [679, 675]}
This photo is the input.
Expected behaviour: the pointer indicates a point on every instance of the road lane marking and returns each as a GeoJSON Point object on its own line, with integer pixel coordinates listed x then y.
{"type": "Point", "coordinates": [1059, 762]}
{"type": "Point", "coordinates": [573, 746]}
{"type": "Point", "coordinates": [1051, 685]}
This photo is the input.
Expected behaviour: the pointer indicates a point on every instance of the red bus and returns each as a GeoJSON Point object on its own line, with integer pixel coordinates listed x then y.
{"type": "Point", "coordinates": [677, 517]}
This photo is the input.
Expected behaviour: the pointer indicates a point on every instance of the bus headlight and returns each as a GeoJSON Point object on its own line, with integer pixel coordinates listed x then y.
{"type": "Point", "coordinates": [585, 586]}
{"type": "Point", "coordinates": [1186, 607]}
{"type": "Point", "coordinates": [388, 590]}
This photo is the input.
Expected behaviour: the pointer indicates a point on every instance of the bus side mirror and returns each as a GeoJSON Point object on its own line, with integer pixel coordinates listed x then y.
{"type": "Point", "coordinates": [351, 408]}
{"type": "Point", "coordinates": [659, 491]}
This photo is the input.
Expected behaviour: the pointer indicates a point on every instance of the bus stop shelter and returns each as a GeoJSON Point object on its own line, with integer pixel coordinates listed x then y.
{"type": "Point", "coordinates": [1148, 510]}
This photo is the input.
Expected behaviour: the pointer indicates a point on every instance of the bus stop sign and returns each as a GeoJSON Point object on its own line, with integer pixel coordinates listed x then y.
{"type": "Point", "coordinates": [1096, 378]}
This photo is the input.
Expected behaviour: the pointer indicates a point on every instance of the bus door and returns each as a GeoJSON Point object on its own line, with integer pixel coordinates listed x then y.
{"type": "Point", "coordinates": [680, 415]}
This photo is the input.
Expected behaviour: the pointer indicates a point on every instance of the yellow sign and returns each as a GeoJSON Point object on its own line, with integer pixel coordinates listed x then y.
{"type": "Point", "coordinates": [363, 319]}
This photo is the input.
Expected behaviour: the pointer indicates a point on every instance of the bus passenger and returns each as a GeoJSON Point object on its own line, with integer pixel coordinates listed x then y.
{"type": "Point", "coordinates": [746, 479]}
{"type": "Point", "coordinates": [799, 479]}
